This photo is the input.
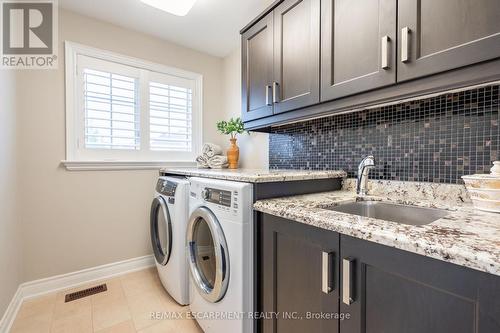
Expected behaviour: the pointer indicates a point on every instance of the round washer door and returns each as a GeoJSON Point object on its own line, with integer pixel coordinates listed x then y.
{"type": "Point", "coordinates": [208, 255]}
{"type": "Point", "coordinates": [161, 230]}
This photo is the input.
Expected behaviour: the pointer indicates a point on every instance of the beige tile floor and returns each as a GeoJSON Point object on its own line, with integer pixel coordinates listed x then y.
{"type": "Point", "coordinates": [126, 307]}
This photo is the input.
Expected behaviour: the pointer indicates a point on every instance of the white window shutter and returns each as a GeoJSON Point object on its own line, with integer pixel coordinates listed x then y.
{"type": "Point", "coordinates": [170, 112]}
{"type": "Point", "coordinates": [111, 111]}
{"type": "Point", "coordinates": [122, 109]}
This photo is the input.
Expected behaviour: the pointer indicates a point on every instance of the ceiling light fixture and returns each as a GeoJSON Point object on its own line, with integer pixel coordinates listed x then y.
{"type": "Point", "coordinates": [176, 7]}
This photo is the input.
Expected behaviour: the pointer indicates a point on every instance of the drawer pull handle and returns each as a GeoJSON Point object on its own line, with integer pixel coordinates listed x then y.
{"type": "Point", "coordinates": [347, 281]}
{"type": "Point", "coordinates": [385, 52]}
{"type": "Point", "coordinates": [268, 95]}
{"type": "Point", "coordinates": [276, 97]}
{"type": "Point", "coordinates": [405, 44]}
{"type": "Point", "coordinates": [327, 274]}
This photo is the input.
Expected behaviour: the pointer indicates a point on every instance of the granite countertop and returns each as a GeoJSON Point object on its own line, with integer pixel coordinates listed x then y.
{"type": "Point", "coordinates": [255, 175]}
{"type": "Point", "coordinates": [465, 237]}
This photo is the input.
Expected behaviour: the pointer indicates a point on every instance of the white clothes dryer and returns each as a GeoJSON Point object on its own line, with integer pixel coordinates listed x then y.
{"type": "Point", "coordinates": [220, 247]}
{"type": "Point", "coordinates": [168, 223]}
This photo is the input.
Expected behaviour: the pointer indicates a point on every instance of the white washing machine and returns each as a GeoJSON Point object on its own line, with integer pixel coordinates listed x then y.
{"type": "Point", "coordinates": [169, 218]}
{"type": "Point", "coordinates": [220, 247]}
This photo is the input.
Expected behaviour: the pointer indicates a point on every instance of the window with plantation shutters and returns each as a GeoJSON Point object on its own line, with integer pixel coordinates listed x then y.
{"type": "Point", "coordinates": [122, 109]}
{"type": "Point", "coordinates": [170, 112]}
{"type": "Point", "coordinates": [111, 110]}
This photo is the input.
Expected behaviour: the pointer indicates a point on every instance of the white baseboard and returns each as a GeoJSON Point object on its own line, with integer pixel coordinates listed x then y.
{"type": "Point", "coordinates": [64, 281]}
{"type": "Point", "coordinates": [11, 312]}
{"type": "Point", "coordinates": [40, 287]}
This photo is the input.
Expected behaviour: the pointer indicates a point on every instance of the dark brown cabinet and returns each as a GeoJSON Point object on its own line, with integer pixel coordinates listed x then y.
{"type": "Point", "coordinates": [280, 60]}
{"type": "Point", "coordinates": [308, 58]}
{"type": "Point", "coordinates": [300, 277]}
{"type": "Point", "coordinates": [296, 54]}
{"type": "Point", "coordinates": [358, 46]}
{"type": "Point", "coordinates": [378, 289]}
{"type": "Point", "coordinates": [395, 291]}
{"type": "Point", "coordinates": [257, 70]}
{"type": "Point", "coordinates": [435, 36]}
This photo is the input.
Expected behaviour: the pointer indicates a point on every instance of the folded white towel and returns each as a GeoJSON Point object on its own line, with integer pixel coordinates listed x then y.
{"type": "Point", "coordinates": [202, 162]}
{"type": "Point", "coordinates": [218, 162]}
{"type": "Point", "coordinates": [211, 150]}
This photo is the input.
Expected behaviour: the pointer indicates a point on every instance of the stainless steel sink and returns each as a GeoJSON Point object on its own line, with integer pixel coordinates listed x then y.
{"type": "Point", "coordinates": [392, 212]}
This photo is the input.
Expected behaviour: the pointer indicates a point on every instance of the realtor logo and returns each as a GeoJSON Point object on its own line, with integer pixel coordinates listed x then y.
{"type": "Point", "coordinates": [29, 34]}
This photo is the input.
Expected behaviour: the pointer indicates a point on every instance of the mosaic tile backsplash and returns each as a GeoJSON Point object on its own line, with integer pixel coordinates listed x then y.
{"type": "Point", "coordinates": [438, 139]}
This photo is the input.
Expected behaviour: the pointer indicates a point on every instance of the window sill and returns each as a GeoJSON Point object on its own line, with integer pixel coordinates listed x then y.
{"type": "Point", "coordinates": [122, 165]}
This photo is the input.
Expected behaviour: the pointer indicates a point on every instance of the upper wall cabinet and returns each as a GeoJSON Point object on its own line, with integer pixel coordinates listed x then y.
{"type": "Point", "coordinates": [280, 60]}
{"type": "Point", "coordinates": [296, 54]}
{"type": "Point", "coordinates": [435, 36]}
{"type": "Point", "coordinates": [358, 46]}
{"type": "Point", "coordinates": [309, 58]}
{"type": "Point", "coordinates": [257, 70]}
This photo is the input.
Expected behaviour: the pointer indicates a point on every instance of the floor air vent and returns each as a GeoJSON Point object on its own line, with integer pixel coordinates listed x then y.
{"type": "Point", "coordinates": [85, 293]}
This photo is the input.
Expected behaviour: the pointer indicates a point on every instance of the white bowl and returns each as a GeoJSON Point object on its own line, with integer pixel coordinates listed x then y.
{"type": "Point", "coordinates": [487, 205]}
{"type": "Point", "coordinates": [484, 191]}
{"type": "Point", "coordinates": [484, 194]}
{"type": "Point", "coordinates": [489, 182]}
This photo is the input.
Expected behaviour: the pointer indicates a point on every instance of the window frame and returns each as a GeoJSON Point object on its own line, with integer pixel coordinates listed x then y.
{"type": "Point", "coordinates": [80, 158]}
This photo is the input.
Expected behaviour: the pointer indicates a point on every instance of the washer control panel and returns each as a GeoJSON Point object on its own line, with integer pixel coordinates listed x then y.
{"type": "Point", "coordinates": [216, 196]}
{"type": "Point", "coordinates": [166, 188]}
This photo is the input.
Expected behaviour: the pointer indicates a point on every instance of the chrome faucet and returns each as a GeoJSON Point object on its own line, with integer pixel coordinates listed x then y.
{"type": "Point", "coordinates": [363, 169]}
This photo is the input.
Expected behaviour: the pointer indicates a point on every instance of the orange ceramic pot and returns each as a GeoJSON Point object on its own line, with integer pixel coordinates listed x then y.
{"type": "Point", "coordinates": [233, 155]}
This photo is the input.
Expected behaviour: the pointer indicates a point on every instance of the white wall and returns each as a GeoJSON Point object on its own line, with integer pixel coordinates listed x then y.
{"type": "Point", "coordinates": [10, 249]}
{"type": "Point", "coordinates": [74, 220]}
{"type": "Point", "coordinates": [254, 148]}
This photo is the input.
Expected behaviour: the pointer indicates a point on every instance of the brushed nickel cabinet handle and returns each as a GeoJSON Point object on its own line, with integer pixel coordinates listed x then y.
{"type": "Point", "coordinates": [327, 274]}
{"type": "Point", "coordinates": [268, 101]}
{"type": "Point", "coordinates": [276, 97]}
{"type": "Point", "coordinates": [385, 52]}
{"type": "Point", "coordinates": [405, 44]}
{"type": "Point", "coordinates": [347, 282]}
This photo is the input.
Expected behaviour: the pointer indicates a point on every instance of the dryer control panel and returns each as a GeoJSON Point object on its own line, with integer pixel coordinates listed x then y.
{"type": "Point", "coordinates": [166, 187]}
{"type": "Point", "coordinates": [216, 196]}
{"type": "Point", "coordinates": [228, 200]}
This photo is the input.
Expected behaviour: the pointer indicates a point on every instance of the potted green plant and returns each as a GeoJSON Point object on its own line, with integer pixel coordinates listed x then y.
{"type": "Point", "coordinates": [232, 128]}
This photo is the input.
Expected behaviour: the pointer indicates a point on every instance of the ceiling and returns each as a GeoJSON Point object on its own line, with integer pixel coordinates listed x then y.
{"type": "Point", "coordinates": [212, 26]}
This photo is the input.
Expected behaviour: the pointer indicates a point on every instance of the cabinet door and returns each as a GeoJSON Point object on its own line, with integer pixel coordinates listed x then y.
{"type": "Point", "coordinates": [298, 265]}
{"type": "Point", "coordinates": [296, 54]}
{"type": "Point", "coordinates": [358, 46]}
{"type": "Point", "coordinates": [257, 70]}
{"type": "Point", "coordinates": [436, 36]}
{"type": "Point", "coordinates": [392, 291]}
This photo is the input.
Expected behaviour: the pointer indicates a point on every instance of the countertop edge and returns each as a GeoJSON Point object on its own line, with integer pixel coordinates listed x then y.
{"type": "Point", "coordinates": [285, 176]}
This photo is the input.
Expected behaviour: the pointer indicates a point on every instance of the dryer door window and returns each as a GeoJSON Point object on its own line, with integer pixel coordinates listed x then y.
{"type": "Point", "coordinates": [161, 230]}
{"type": "Point", "coordinates": [208, 255]}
